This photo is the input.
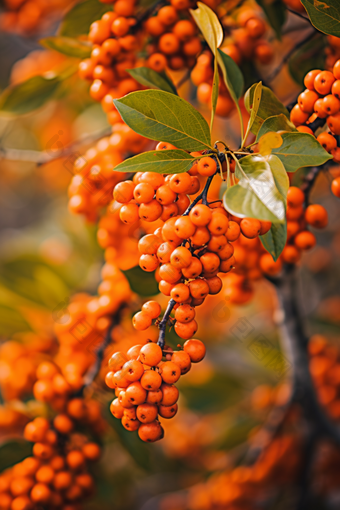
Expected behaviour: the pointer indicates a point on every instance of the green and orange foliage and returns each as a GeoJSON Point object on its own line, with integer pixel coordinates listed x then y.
{"type": "Point", "coordinates": [57, 474]}
{"type": "Point", "coordinates": [28, 16]}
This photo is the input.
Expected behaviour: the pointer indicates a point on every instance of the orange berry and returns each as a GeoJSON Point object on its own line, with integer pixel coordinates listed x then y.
{"type": "Point", "coordinates": [305, 240]}
{"type": "Point", "coordinates": [323, 82]}
{"type": "Point", "coordinates": [331, 104]}
{"type": "Point", "coordinates": [181, 257]}
{"type": "Point", "coordinates": [269, 266]}
{"type": "Point", "coordinates": [91, 451]}
{"type": "Point", "coordinates": [180, 183]}
{"type": "Point", "coordinates": [182, 359]}
{"type": "Point", "coordinates": [141, 321]}
{"type": "Point", "coordinates": [297, 116]}
{"type": "Point", "coordinates": [151, 432]}
{"type": "Point", "coordinates": [206, 166]}
{"type": "Point", "coordinates": [170, 372]}
{"type": "Point", "coordinates": [75, 459]}
{"type": "Point", "coordinates": [152, 308]}
{"type": "Point", "coordinates": [151, 380]}
{"type": "Point", "coordinates": [200, 215]}
{"type": "Point", "coordinates": [295, 196]}
{"type": "Point", "coordinates": [147, 413]}
{"type": "Point", "coordinates": [167, 15]}
{"type": "Point", "coordinates": [250, 227]}
{"type": "Point", "coordinates": [336, 187]}
{"type": "Point", "coordinates": [333, 122]}
{"type": "Point", "coordinates": [316, 215]}
{"type": "Point", "coordinates": [185, 329]}
{"type": "Point", "coordinates": [327, 141]}
{"type": "Point", "coordinates": [309, 79]}
{"type": "Point", "coordinates": [40, 493]}
{"type": "Point", "coordinates": [63, 424]}
{"type": "Point", "coordinates": [180, 293]}
{"type": "Point", "coordinates": [133, 370]}
{"type": "Point", "coordinates": [169, 44]}
{"type": "Point", "coordinates": [195, 349]}
{"type": "Point", "coordinates": [151, 354]}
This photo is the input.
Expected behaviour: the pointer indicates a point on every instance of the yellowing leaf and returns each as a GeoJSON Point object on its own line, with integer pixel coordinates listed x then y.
{"type": "Point", "coordinates": [209, 24]}
{"type": "Point", "coordinates": [268, 142]}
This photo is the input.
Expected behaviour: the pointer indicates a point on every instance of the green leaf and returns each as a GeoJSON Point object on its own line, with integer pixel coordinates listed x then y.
{"type": "Point", "coordinates": [324, 15]}
{"type": "Point", "coordinates": [144, 284]}
{"type": "Point", "coordinates": [165, 117]}
{"type": "Point", "coordinates": [276, 14]}
{"type": "Point", "coordinates": [279, 174]}
{"type": "Point", "coordinates": [232, 75]}
{"type": "Point", "coordinates": [209, 24]}
{"type": "Point", "coordinates": [161, 162]}
{"type": "Point", "coordinates": [79, 18]}
{"type": "Point", "coordinates": [256, 195]}
{"type": "Point", "coordinates": [274, 241]}
{"type": "Point", "coordinates": [29, 95]}
{"type": "Point", "coordinates": [307, 57]}
{"type": "Point", "coordinates": [299, 150]}
{"type": "Point", "coordinates": [269, 106]}
{"type": "Point", "coordinates": [151, 79]}
{"type": "Point", "coordinates": [13, 451]}
{"type": "Point", "coordinates": [68, 46]}
{"type": "Point", "coordinates": [275, 123]}
{"type": "Point", "coordinates": [253, 108]}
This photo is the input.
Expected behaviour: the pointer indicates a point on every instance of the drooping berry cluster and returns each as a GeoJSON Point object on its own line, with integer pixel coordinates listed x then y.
{"type": "Point", "coordinates": [145, 385]}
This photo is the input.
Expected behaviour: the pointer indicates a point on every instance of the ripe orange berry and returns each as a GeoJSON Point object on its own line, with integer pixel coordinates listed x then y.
{"type": "Point", "coordinates": [141, 321]}
{"type": "Point", "coordinates": [180, 183]}
{"type": "Point", "coordinates": [269, 266]}
{"type": "Point", "coordinates": [333, 122]}
{"type": "Point", "coordinates": [306, 100]}
{"type": "Point", "coordinates": [194, 269]}
{"type": "Point", "coordinates": [63, 424]}
{"type": "Point", "coordinates": [170, 372]}
{"type": "Point", "coordinates": [167, 411]}
{"type": "Point", "coordinates": [250, 227]}
{"type": "Point", "coordinates": [305, 129]}
{"type": "Point", "coordinates": [151, 354]}
{"type": "Point", "coordinates": [133, 370]}
{"type": "Point", "coordinates": [297, 116]}
{"type": "Point", "coordinates": [152, 308]}
{"type": "Point", "coordinates": [42, 451]}
{"type": "Point", "coordinates": [200, 215]}
{"type": "Point", "coordinates": [215, 285]}
{"type": "Point", "coordinates": [184, 29]}
{"type": "Point", "coordinates": [199, 288]}
{"type": "Point", "coordinates": [295, 196]}
{"type": "Point", "coordinates": [147, 413]}
{"type": "Point", "coordinates": [218, 224]}
{"type": "Point", "coordinates": [169, 273]}
{"type": "Point", "coordinates": [151, 432]}
{"type": "Point", "coordinates": [290, 254]}
{"type": "Point", "coordinates": [195, 349]}
{"type": "Point", "coordinates": [309, 79]}
{"type": "Point", "coordinates": [116, 409]}
{"type": "Point", "coordinates": [319, 109]}
{"type": "Point", "coordinates": [129, 213]}
{"type": "Point", "coordinates": [45, 474]}
{"type": "Point", "coordinates": [181, 257]}
{"type": "Point", "coordinates": [143, 193]}
{"type": "Point", "coordinates": [327, 141]}
{"type": "Point", "coordinates": [206, 166]}
{"type": "Point", "coordinates": [323, 82]}
{"type": "Point", "coordinates": [130, 424]}
{"type": "Point", "coordinates": [336, 187]}
{"type": "Point", "coordinates": [40, 493]}
{"type": "Point", "coordinates": [336, 89]}
{"type": "Point", "coordinates": [167, 15]}
{"type": "Point", "coordinates": [151, 380]}
{"type": "Point", "coordinates": [185, 313]}
{"type": "Point", "coordinates": [305, 240]}
{"type": "Point", "coordinates": [210, 262]}
{"type": "Point", "coordinates": [184, 228]}
{"type": "Point", "coordinates": [180, 293]}
{"type": "Point", "coordinates": [169, 44]}
{"type": "Point", "coordinates": [182, 359]}
{"type": "Point", "coordinates": [150, 211]}
{"type": "Point", "coordinates": [331, 104]}
{"type": "Point", "coordinates": [185, 330]}
{"type": "Point", "coordinates": [316, 215]}
{"type": "Point", "coordinates": [233, 231]}
{"type": "Point", "coordinates": [91, 451]}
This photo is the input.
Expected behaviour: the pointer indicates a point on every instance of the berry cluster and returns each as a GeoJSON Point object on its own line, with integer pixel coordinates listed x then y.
{"type": "Point", "coordinates": [176, 43]}
{"type": "Point", "coordinates": [150, 196]}
{"type": "Point", "coordinates": [56, 476]}
{"type": "Point", "coordinates": [320, 100]}
{"type": "Point", "coordinates": [94, 176]}
{"type": "Point", "coordinates": [144, 384]}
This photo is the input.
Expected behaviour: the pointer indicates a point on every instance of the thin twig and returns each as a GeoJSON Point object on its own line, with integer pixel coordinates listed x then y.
{"type": "Point", "coordinates": [163, 323]}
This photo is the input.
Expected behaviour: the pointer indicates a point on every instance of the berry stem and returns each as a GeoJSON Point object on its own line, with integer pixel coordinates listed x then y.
{"type": "Point", "coordinates": [163, 323]}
